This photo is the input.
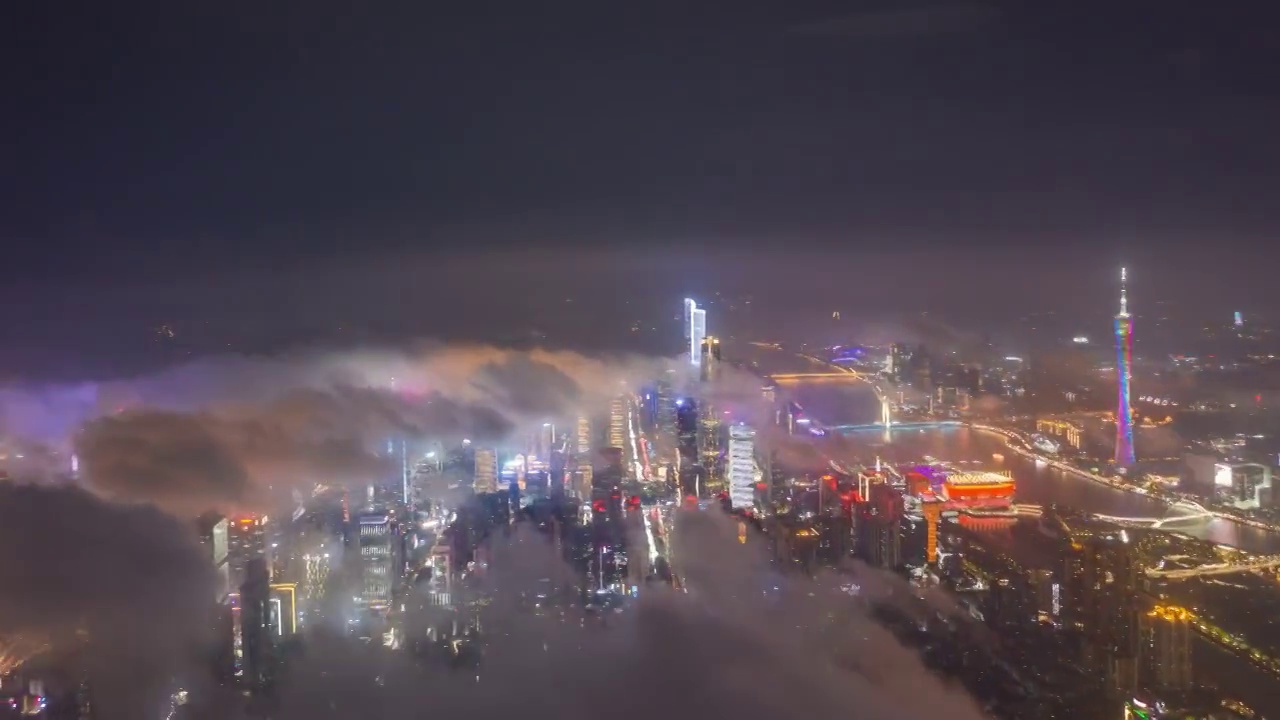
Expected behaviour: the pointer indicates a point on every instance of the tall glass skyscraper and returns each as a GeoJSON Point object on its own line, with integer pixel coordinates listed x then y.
{"type": "Point", "coordinates": [697, 333]}
{"type": "Point", "coordinates": [687, 320]}
{"type": "Point", "coordinates": [742, 467]}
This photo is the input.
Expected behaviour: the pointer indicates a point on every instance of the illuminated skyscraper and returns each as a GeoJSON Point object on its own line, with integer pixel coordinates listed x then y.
{"type": "Point", "coordinates": [710, 368]}
{"type": "Point", "coordinates": [583, 479]}
{"type": "Point", "coordinates": [544, 442]}
{"type": "Point", "coordinates": [711, 439]}
{"type": "Point", "coordinates": [486, 478]}
{"type": "Point", "coordinates": [213, 540]}
{"type": "Point", "coordinates": [618, 421]}
{"type": "Point", "coordinates": [1124, 373]}
{"type": "Point", "coordinates": [255, 625]}
{"type": "Point", "coordinates": [697, 333]}
{"type": "Point", "coordinates": [689, 307]}
{"type": "Point", "coordinates": [880, 526]}
{"type": "Point", "coordinates": [247, 541]}
{"type": "Point", "coordinates": [666, 409]}
{"type": "Point", "coordinates": [1110, 608]}
{"type": "Point", "coordinates": [584, 436]}
{"type": "Point", "coordinates": [932, 513]}
{"type": "Point", "coordinates": [689, 471]}
{"type": "Point", "coordinates": [1166, 648]}
{"type": "Point", "coordinates": [376, 560]}
{"type": "Point", "coordinates": [742, 467]}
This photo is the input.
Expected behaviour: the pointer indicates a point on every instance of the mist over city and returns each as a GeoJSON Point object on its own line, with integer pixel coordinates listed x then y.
{"type": "Point", "coordinates": [878, 359]}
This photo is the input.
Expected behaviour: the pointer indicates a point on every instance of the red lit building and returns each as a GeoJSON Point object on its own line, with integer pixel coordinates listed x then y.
{"type": "Point", "coordinates": [980, 489]}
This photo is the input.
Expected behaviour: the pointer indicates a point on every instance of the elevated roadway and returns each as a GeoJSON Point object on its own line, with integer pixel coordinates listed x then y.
{"type": "Point", "coordinates": [811, 376]}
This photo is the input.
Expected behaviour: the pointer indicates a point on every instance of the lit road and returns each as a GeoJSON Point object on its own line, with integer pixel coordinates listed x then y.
{"type": "Point", "coordinates": [637, 467]}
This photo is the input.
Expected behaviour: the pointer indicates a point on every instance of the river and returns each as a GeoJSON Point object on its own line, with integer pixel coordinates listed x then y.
{"type": "Point", "coordinates": [841, 404]}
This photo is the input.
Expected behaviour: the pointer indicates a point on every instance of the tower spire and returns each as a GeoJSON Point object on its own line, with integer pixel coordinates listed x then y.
{"type": "Point", "coordinates": [1124, 294]}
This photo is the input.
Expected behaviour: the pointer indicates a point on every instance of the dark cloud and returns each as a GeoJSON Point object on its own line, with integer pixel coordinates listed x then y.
{"type": "Point", "coordinates": [121, 590]}
{"type": "Point", "coordinates": [221, 433]}
{"type": "Point", "coordinates": [529, 386]}
{"type": "Point", "coordinates": [169, 458]}
{"type": "Point", "coordinates": [906, 23]}
{"type": "Point", "coordinates": [229, 456]}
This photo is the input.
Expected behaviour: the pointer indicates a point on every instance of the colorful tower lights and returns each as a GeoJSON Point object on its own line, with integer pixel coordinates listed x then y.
{"type": "Point", "coordinates": [1124, 373]}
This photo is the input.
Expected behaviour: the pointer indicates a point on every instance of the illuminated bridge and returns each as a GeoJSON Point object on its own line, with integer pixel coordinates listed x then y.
{"type": "Point", "coordinates": [801, 377]}
{"type": "Point", "coordinates": [1027, 510]}
{"type": "Point", "coordinates": [993, 518]}
{"type": "Point", "coordinates": [898, 425]}
{"type": "Point", "coordinates": [1266, 562]}
{"type": "Point", "coordinates": [1198, 513]}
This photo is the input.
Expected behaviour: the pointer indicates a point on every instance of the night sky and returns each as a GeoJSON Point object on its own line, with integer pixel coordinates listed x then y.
{"type": "Point", "coordinates": [284, 168]}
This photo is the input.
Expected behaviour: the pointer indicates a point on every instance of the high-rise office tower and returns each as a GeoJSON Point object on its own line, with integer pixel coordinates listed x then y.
{"type": "Point", "coordinates": [213, 530]}
{"type": "Point", "coordinates": [583, 480]}
{"type": "Point", "coordinates": [376, 560]}
{"type": "Point", "coordinates": [1110, 610]}
{"type": "Point", "coordinates": [689, 471]}
{"type": "Point", "coordinates": [557, 468]}
{"type": "Point", "coordinates": [1074, 593]}
{"type": "Point", "coordinates": [255, 625]}
{"type": "Point", "coordinates": [223, 621]}
{"type": "Point", "coordinates": [284, 610]}
{"type": "Point", "coordinates": [665, 409]}
{"type": "Point", "coordinates": [710, 441]}
{"type": "Point", "coordinates": [899, 357]}
{"type": "Point", "coordinates": [545, 441]}
{"type": "Point", "coordinates": [880, 526]}
{"type": "Point", "coordinates": [247, 541]}
{"type": "Point", "coordinates": [689, 307]}
{"type": "Point", "coordinates": [697, 333]}
{"type": "Point", "coordinates": [486, 477]}
{"type": "Point", "coordinates": [710, 367]}
{"type": "Point", "coordinates": [1124, 373]}
{"type": "Point", "coordinates": [583, 436]}
{"type": "Point", "coordinates": [609, 468]}
{"type": "Point", "coordinates": [1166, 649]}
{"type": "Point", "coordinates": [618, 422]}
{"type": "Point", "coordinates": [932, 513]}
{"type": "Point", "coordinates": [647, 409]}
{"type": "Point", "coordinates": [742, 467]}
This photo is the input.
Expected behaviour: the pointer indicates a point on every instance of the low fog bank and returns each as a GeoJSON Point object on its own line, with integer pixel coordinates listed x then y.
{"type": "Point", "coordinates": [218, 433]}
{"type": "Point", "coordinates": [117, 593]}
{"type": "Point", "coordinates": [729, 645]}
{"type": "Point", "coordinates": [130, 593]}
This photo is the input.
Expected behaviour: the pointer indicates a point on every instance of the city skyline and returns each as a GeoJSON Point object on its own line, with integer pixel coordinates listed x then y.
{"type": "Point", "coordinates": [711, 456]}
{"type": "Point", "coordinates": [373, 362]}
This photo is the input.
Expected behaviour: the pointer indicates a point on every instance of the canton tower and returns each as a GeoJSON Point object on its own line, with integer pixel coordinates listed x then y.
{"type": "Point", "coordinates": [1124, 373]}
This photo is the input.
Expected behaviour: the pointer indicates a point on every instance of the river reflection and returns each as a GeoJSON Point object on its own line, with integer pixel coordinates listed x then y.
{"type": "Point", "coordinates": [852, 404]}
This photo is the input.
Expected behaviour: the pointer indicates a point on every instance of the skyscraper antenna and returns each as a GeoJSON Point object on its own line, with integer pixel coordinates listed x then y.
{"type": "Point", "coordinates": [1124, 293]}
